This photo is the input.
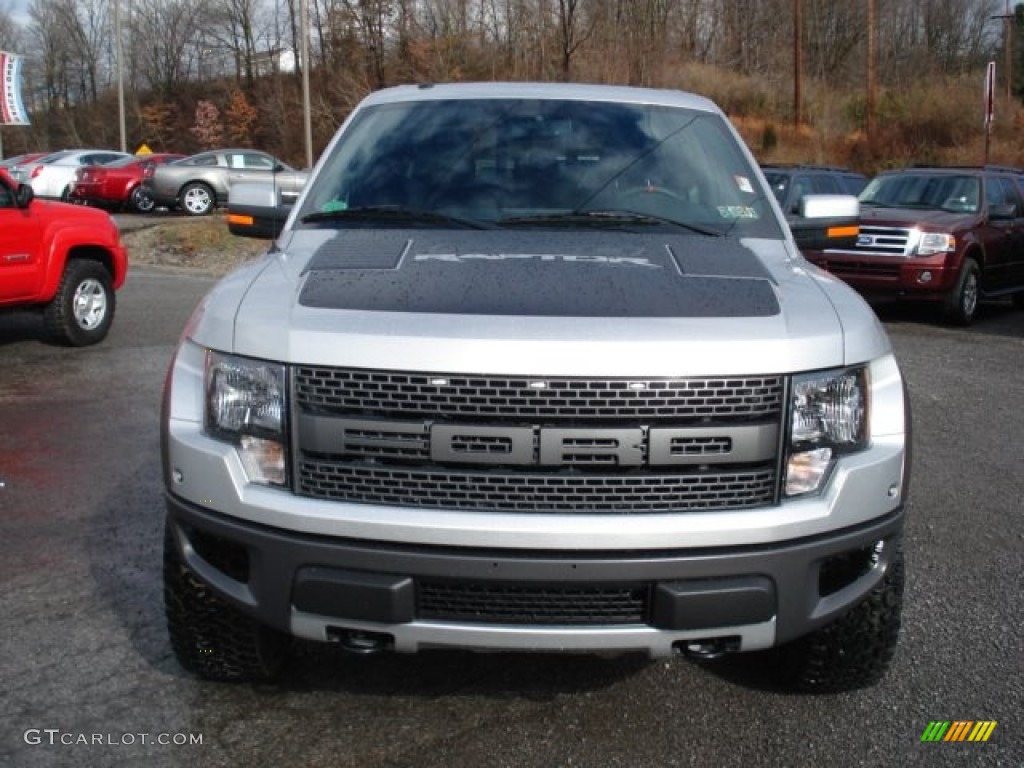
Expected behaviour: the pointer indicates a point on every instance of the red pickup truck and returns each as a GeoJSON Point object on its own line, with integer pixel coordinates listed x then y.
{"type": "Point", "coordinates": [66, 260]}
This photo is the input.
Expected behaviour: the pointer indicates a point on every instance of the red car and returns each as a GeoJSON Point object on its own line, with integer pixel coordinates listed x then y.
{"type": "Point", "coordinates": [118, 184]}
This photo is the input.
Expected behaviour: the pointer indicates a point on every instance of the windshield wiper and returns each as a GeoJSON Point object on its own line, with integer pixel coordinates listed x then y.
{"type": "Point", "coordinates": [397, 213]}
{"type": "Point", "coordinates": [610, 218]}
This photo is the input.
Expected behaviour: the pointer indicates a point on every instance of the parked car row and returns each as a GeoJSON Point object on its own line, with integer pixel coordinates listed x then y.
{"type": "Point", "coordinates": [949, 236]}
{"type": "Point", "coordinates": [195, 184]}
{"type": "Point", "coordinates": [118, 185]}
{"type": "Point", "coordinates": [51, 176]}
{"type": "Point", "coordinates": [952, 236]}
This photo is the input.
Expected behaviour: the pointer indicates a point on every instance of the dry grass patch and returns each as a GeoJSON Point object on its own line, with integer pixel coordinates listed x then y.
{"type": "Point", "coordinates": [201, 244]}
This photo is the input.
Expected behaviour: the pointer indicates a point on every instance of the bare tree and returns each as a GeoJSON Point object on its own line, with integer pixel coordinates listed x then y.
{"type": "Point", "coordinates": [573, 31]}
{"type": "Point", "coordinates": [47, 37]}
{"type": "Point", "coordinates": [238, 28]}
{"type": "Point", "coordinates": [167, 43]}
{"type": "Point", "coordinates": [11, 37]}
{"type": "Point", "coordinates": [834, 31]}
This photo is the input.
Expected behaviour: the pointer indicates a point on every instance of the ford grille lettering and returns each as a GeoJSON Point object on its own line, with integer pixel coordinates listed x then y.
{"type": "Point", "coordinates": [535, 445]}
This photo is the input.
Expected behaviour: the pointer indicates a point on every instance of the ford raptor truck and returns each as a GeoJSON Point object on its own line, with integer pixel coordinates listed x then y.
{"type": "Point", "coordinates": [535, 367]}
{"type": "Point", "coordinates": [65, 261]}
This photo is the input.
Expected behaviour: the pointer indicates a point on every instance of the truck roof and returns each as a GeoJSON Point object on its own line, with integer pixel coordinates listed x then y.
{"type": "Point", "coordinates": [530, 90]}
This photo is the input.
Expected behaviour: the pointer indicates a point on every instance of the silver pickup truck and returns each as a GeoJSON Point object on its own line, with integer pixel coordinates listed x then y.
{"type": "Point", "coordinates": [535, 367]}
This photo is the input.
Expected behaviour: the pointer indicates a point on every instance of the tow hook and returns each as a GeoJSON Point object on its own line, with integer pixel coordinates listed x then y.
{"type": "Point", "coordinates": [707, 649]}
{"type": "Point", "coordinates": [359, 642]}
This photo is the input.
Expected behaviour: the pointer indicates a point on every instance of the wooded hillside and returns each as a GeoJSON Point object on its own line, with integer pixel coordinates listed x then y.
{"type": "Point", "coordinates": [206, 72]}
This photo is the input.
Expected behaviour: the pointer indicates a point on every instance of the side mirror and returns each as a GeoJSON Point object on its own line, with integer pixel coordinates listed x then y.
{"type": "Point", "coordinates": [256, 209]}
{"type": "Point", "coordinates": [826, 221]}
{"type": "Point", "coordinates": [24, 195]}
{"type": "Point", "coordinates": [1002, 211]}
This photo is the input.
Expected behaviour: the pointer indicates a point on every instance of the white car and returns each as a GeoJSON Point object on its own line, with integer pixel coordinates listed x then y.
{"type": "Point", "coordinates": [53, 175]}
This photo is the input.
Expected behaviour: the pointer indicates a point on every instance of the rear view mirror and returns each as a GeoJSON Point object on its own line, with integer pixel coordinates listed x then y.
{"type": "Point", "coordinates": [826, 221]}
{"type": "Point", "coordinates": [1002, 211]}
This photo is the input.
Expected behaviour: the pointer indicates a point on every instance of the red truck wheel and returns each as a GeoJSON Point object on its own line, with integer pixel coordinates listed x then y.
{"type": "Point", "coordinates": [83, 309]}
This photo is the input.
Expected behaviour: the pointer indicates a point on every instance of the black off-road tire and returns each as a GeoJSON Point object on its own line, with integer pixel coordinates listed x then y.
{"type": "Point", "coordinates": [197, 199]}
{"type": "Point", "coordinates": [961, 305]}
{"type": "Point", "coordinates": [855, 650]}
{"type": "Point", "coordinates": [82, 310]}
{"type": "Point", "coordinates": [211, 638]}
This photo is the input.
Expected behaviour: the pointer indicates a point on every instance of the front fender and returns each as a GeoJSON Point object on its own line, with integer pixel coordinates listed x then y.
{"type": "Point", "coordinates": [103, 242]}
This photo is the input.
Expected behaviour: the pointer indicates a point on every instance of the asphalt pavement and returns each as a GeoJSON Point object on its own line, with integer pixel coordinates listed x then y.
{"type": "Point", "coordinates": [88, 679]}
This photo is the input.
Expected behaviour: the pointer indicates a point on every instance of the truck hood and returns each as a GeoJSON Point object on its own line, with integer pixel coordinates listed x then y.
{"type": "Point", "coordinates": [581, 303]}
{"type": "Point", "coordinates": [916, 217]}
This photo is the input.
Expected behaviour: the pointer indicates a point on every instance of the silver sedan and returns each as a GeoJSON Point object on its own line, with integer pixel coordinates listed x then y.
{"type": "Point", "coordinates": [200, 183]}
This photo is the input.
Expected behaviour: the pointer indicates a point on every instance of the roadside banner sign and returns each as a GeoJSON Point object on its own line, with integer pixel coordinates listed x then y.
{"type": "Point", "coordinates": [12, 109]}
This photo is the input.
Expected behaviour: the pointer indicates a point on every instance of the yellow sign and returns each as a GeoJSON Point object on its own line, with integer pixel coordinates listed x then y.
{"type": "Point", "coordinates": [144, 150]}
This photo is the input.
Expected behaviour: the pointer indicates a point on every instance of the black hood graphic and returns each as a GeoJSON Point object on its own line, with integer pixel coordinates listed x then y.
{"type": "Point", "coordinates": [553, 274]}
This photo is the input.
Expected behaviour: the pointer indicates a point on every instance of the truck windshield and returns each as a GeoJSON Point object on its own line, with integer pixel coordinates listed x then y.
{"type": "Point", "coordinates": [944, 192]}
{"type": "Point", "coordinates": [542, 162]}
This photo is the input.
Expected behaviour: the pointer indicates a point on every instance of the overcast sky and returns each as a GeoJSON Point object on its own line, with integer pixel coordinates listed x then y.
{"type": "Point", "coordinates": [18, 9]}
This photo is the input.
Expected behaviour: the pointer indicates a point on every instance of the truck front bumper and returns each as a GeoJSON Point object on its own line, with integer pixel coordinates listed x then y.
{"type": "Point", "coordinates": [410, 597]}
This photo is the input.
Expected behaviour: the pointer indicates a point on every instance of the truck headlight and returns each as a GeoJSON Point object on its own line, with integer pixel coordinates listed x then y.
{"type": "Point", "coordinates": [829, 417]}
{"type": "Point", "coordinates": [245, 405]}
{"type": "Point", "coordinates": [936, 242]}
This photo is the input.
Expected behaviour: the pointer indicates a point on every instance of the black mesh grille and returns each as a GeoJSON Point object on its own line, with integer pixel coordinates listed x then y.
{"type": "Point", "coordinates": [522, 604]}
{"type": "Point", "coordinates": [375, 437]}
{"type": "Point", "coordinates": [400, 394]}
{"type": "Point", "coordinates": [538, 492]}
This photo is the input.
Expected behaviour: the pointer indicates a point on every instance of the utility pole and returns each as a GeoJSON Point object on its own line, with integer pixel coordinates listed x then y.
{"type": "Point", "coordinates": [872, 95]}
{"type": "Point", "coordinates": [120, 74]}
{"type": "Point", "coordinates": [307, 120]}
{"type": "Point", "coordinates": [1008, 19]}
{"type": "Point", "coordinates": [797, 60]}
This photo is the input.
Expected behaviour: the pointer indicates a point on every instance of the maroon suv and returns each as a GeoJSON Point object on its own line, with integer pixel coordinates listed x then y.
{"type": "Point", "coordinates": [947, 235]}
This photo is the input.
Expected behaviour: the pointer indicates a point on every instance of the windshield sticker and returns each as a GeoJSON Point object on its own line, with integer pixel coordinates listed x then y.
{"type": "Point", "coordinates": [334, 205]}
{"type": "Point", "coordinates": [744, 184]}
{"type": "Point", "coordinates": [737, 212]}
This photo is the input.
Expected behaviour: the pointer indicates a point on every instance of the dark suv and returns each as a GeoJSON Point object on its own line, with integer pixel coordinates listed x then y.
{"type": "Point", "coordinates": [791, 183]}
{"type": "Point", "coordinates": [947, 235]}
